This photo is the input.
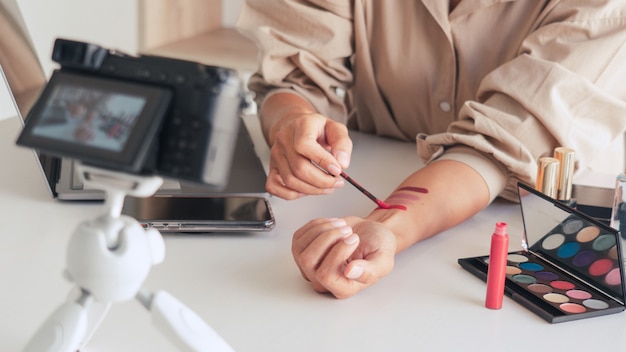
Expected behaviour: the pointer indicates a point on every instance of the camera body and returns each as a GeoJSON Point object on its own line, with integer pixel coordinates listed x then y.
{"type": "Point", "coordinates": [138, 114]}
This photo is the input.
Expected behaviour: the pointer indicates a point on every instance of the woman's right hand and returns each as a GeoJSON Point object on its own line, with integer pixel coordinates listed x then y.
{"type": "Point", "coordinates": [301, 144]}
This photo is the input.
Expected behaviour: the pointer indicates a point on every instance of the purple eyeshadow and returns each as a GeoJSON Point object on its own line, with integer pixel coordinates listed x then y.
{"type": "Point", "coordinates": [584, 258]}
{"type": "Point", "coordinates": [546, 275]}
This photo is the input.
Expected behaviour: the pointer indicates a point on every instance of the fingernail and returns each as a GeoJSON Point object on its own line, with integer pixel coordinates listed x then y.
{"type": "Point", "coordinates": [355, 272]}
{"type": "Point", "coordinates": [342, 158]}
{"type": "Point", "coordinates": [339, 223]}
{"type": "Point", "coordinates": [346, 231]}
{"type": "Point", "coordinates": [334, 169]}
{"type": "Point", "coordinates": [339, 183]}
{"type": "Point", "coordinates": [352, 239]}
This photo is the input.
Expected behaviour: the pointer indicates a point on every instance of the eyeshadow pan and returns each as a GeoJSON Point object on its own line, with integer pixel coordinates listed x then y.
{"type": "Point", "coordinates": [614, 277]}
{"type": "Point", "coordinates": [584, 258]}
{"type": "Point", "coordinates": [562, 285]}
{"type": "Point", "coordinates": [603, 242]}
{"type": "Point", "coordinates": [572, 308]}
{"type": "Point", "coordinates": [568, 250]}
{"type": "Point", "coordinates": [512, 270]}
{"type": "Point", "coordinates": [540, 288]}
{"type": "Point", "coordinates": [578, 294]}
{"type": "Point", "coordinates": [524, 279]}
{"type": "Point", "coordinates": [588, 234]}
{"type": "Point", "coordinates": [595, 304]}
{"type": "Point", "coordinates": [546, 275]}
{"type": "Point", "coordinates": [517, 258]}
{"type": "Point", "coordinates": [531, 266]}
{"type": "Point", "coordinates": [572, 226]}
{"type": "Point", "coordinates": [613, 253]}
{"type": "Point", "coordinates": [600, 267]}
{"type": "Point", "coordinates": [553, 241]}
{"type": "Point", "coordinates": [555, 298]}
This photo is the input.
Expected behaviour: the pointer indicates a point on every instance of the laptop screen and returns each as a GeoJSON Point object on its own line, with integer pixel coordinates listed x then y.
{"type": "Point", "coordinates": [247, 174]}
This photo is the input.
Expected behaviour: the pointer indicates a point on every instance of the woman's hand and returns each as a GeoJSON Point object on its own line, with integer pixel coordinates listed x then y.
{"type": "Point", "coordinates": [308, 151]}
{"type": "Point", "coordinates": [299, 143]}
{"type": "Point", "coordinates": [344, 256]}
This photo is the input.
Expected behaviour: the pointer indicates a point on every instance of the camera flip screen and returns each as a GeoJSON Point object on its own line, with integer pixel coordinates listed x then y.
{"type": "Point", "coordinates": [96, 120]}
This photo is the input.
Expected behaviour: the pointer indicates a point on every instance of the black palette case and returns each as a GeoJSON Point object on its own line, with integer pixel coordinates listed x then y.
{"type": "Point", "coordinates": [570, 266]}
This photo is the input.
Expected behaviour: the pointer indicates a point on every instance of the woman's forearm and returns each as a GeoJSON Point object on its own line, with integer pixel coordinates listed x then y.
{"type": "Point", "coordinates": [438, 196]}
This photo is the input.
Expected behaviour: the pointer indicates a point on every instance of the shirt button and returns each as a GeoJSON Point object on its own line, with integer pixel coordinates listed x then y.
{"type": "Point", "coordinates": [445, 106]}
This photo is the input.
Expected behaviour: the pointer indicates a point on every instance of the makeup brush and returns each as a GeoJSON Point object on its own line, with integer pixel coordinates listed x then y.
{"type": "Point", "coordinates": [378, 202]}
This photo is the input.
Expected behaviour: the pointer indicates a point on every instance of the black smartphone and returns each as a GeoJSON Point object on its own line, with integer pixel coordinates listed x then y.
{"type": "Point", "coordinates": [201, 214]}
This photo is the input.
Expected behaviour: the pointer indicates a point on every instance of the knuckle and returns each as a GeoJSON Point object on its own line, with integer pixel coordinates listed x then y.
{"type": "Point", "coordinates": [290, 181]}
{"type": "Point", "coordinates": [325, 159]}
{"type": "Point", "coordinates": [324, 277]}
{"type": "Point", "coordinates": [306, 261]}
{"type": "Point", "coordinates": [299, 169]}
{"type": "Point", "coordinates": [301, 146]}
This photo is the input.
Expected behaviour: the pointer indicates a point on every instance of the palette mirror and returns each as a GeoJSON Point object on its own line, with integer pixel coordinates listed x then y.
{"type": "Point", "coordinates": [570, 266]}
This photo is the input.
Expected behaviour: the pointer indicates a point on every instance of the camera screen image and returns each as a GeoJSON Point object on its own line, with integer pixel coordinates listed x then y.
{"type": "Point", "coordinates": [89, 116]}
{"type": "Point", "coordinates": [102, 122]}
{"type": "Point", "coordinates": [145, 114]}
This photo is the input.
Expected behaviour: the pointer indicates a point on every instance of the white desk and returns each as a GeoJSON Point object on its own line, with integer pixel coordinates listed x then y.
{"type": "Point", "coordinates": [249, 289]}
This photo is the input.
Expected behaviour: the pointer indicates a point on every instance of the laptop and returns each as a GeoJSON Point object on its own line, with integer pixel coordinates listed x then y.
{"type": "Point", "coordinates": [243, 205]}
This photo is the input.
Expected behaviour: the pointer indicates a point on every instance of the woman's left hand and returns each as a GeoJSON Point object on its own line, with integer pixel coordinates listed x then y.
{"type": "Point", "coordinates": [343, 256]}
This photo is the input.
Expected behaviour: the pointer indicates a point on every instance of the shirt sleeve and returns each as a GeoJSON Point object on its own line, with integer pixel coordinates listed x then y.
{"type": "Point", "coordinates": [305, 48]}
{"type": "Point", "coordinates": [563, 89]}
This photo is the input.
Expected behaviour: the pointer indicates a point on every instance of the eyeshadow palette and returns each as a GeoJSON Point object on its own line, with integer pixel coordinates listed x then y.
{"type": "Point", "coordinates": [570, 266]}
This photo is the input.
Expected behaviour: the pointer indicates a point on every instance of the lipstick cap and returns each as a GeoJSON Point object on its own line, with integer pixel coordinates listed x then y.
{"type": "Point", "coordinates": [567, 158]}
{"type": "Point", "coordinates": [547, 176]}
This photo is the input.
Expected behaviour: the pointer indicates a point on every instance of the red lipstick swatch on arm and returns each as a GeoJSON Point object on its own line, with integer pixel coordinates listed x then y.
{"type": "Point", "coordinates": [383, 205]}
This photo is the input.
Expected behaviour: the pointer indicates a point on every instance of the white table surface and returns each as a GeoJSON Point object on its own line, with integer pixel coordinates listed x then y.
{"type": "Point", "coordinates": [248, 288]}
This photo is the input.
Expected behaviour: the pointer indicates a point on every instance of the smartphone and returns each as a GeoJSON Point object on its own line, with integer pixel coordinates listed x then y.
{"type": "Point", "coordinates": [201, 214]}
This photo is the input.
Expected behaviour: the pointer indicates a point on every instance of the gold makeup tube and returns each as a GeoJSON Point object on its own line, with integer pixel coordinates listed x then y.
{"type": "Point", "coordinates": [567, 158]}
{"type": "Point", "coordinates": [547, 176]}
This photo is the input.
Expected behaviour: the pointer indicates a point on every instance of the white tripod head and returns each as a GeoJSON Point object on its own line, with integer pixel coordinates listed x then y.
{"type": "Point", "coordinates": [109, 258]}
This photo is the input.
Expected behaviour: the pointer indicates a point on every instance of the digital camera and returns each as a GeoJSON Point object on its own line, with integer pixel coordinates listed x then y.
{"type": "Point", "coordinates": [138, 114]}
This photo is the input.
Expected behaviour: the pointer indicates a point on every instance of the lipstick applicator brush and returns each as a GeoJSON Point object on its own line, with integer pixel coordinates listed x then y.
{"type": "Point", "coordinates": [381, 204]}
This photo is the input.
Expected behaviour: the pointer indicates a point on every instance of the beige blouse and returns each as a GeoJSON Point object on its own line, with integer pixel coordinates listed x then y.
{"type": "Point", "coordinates": [495, 84]}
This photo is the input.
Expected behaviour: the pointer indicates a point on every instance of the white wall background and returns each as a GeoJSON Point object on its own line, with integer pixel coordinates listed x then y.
{"type": "Point", "coordinates": [105, 22]}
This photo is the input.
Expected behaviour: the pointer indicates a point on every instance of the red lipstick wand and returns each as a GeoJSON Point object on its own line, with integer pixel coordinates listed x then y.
{"type": "Point", "coordinates": [378, 202]}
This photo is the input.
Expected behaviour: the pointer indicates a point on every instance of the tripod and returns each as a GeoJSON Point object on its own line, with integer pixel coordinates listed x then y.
{"type": "Point", "coordinates": [108, 259]}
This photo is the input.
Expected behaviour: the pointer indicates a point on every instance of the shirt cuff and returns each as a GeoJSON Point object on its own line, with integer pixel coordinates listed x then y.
{"type": "Point", "coordinates": [277, 91]}
{"type": "Point", "coordinates": [492, 172]}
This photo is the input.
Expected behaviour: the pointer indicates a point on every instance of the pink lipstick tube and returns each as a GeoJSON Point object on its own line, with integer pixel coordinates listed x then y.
{"type": "Point", "coordinates": [496, 272]}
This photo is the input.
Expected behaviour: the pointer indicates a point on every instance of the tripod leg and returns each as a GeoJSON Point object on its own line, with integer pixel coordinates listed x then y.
{"type": "Point", "coordinates": [95, 314]}
{"type": "Point", "coordinates": [180, 324]}
{"type": "Point", "coordinates": [65, 329]}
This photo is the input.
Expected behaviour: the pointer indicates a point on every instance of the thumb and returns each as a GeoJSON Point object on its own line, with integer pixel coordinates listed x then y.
{"type": "Point", "coordinates": [367, 271]}
{"type": "Point", "coordinates": [354, 270]}
{"type": "Point", "coordinates": [340, 143]}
